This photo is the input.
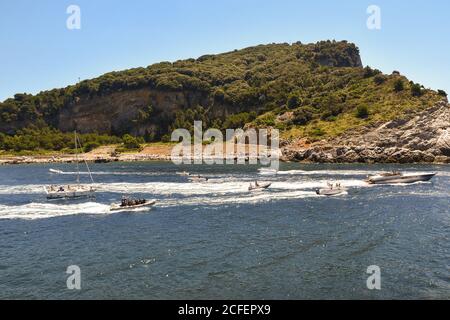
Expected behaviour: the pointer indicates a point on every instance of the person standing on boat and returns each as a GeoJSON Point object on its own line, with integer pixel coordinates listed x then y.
{"type": "Point", "coordinates": [124, 202]}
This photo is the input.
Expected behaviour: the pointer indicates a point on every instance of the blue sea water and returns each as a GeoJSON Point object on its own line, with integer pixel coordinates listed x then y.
{"type": "Point", "coordinates": [217, 240]}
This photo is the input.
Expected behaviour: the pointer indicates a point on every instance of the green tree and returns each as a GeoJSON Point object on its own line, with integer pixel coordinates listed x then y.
{"type": "Point", "coordinates": [379, 79]}
{"type": "Point", "coordinates": [293, 101]}
{"type": "Point", "coordinates": [3, 138]}
{"type": "Point", "coordinates": [416, 90]}
{"type": "Point", "coordinates": [362, 111]}
{"type": "Point", "coordinates": [398, 85]}
{"type": "Point", "coordinates": [369, 72]}
{"type": "Point", "coordinates": [302, 116]}
{"type": "Point", "coordinates": [442, 93]}
{"type": "Point", "coordinates": [238, 120]}
{"type": "Point", "coordinates": [130, 142]}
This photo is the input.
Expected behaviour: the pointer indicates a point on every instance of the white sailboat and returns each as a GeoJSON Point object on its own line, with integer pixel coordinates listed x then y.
{"type": "Point", "coordinates": [72, 191]}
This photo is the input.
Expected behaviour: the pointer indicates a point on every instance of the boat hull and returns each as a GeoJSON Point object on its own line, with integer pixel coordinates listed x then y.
{"type": "Point", "coordinates": [260, 187]}
{"type": "Point", "coordinates": [118, 207]}
{"type": "Point", "coordinates": [400, 179]}
{"type": "Point", "coordinates": [198, 180]}
{"type": "Point", "coordinates": [70, 194]}
{"type": "Point", "coordinates": [330, 192]}
{"type": "Point", "coordinates": [55, 171]}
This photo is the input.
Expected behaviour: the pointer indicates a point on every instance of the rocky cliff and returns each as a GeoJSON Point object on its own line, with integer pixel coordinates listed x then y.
{"type": "Point", "coordinates": [121, 112]}
{"type": "Point", "coordinates": [421, 137]}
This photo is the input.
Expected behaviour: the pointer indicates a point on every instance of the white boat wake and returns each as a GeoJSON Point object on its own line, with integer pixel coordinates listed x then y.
{"type": "Point", "coordinates": [188, 188]}
{"type": "Point", "coordinates": [365, 173]}
{"type": "Point", "coordinates": [220, 191]}
{"type": "Point", "coordinates": [34, 211]}
{"type": "Point", "coordinates": [108, 173]}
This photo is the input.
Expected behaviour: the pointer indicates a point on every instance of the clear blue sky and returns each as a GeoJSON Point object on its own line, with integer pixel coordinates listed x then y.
{"type": "Point", "coordinates": [38, 52]}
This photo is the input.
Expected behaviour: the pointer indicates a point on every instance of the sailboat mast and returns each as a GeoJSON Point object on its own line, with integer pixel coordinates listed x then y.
{"type": "Point", "coordinates": [76, 157]}
{"type": "Point", "coordinates": [85, 162]}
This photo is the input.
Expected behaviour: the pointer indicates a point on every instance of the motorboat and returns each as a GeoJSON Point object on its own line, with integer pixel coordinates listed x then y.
{"type": "Point", "coordinates": [398, 177]}
{"type": "Point", "coordinates": [127, 207]}
{"type": "Point", "coordinates": [183, 174]}
{"type": "Point", "coordinates": [259, 186]}
{"type": "Point", "coordinates": [55, 171]}
{"type": "Point", "coordinates": [331, 190]}
{"type": "Point", "coordinates": [198, 179]}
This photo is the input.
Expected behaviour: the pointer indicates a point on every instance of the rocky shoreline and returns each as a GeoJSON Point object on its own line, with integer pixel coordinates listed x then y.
{"type": "Point", "coordinates": [422, 138]}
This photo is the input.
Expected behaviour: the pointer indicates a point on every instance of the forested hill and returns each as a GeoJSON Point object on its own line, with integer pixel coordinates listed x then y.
{"type": "Point", "coordinates": [316, 90]}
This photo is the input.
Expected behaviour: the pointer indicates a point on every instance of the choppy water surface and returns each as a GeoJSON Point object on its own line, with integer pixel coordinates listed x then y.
{"type": "Point", "coordinates": [217, 240]}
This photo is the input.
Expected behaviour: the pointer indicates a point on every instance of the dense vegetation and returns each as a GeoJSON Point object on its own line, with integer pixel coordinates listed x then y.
{"type": "Point", "coordinates": [314, 90]}
{"type": "Point", "coordinates": [36, 139]}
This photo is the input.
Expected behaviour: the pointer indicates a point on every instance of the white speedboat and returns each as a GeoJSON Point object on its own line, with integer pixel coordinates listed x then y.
{"type": "Point", "coordinates": [331, 190]}
{"type": "Point", "coordinates": [55, 171]}
{"type": "Point", "coordinates": [198, 179]}
{"type": "Point", "coordinates": [183, 174]}
{"type": "Point", "coordinates": [119, 207]}
{"type": "Point", "coordinates": [259, 186]}
{"type": "Point", "coordinates": [398, 177]}
{"type": "Point", "coordinates": [71, 191]}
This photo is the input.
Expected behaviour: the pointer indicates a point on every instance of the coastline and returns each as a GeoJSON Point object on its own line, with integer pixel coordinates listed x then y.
{"type": "Point", "coordinates": [164, 155]}
{"type": "Point", "coordinates": [402, 141]}
{"type": "Point", "coordinates": [104, 154]}
{"type": "Point", "coordinates": [100, 155]}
